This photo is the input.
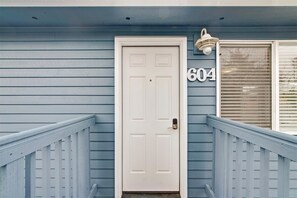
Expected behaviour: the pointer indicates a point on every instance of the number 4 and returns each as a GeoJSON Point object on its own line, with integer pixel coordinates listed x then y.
{"type": "Point", "coordinates": [212, 74]}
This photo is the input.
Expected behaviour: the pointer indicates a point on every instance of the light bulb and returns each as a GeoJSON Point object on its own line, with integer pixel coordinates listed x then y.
{"type": "Point", "coordinates": [207, 50]}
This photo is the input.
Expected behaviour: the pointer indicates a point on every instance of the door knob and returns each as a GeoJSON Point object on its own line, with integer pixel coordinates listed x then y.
{"type": "Point", "coordinates": [174, 123]}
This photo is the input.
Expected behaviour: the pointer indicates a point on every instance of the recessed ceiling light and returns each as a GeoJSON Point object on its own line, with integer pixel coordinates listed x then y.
{"type": "Point", "coordinates": [34, 17]}
{"type": "Point", "coordinates": [222, 18]}
{"type": "Point", "coordinates": [128, 18]}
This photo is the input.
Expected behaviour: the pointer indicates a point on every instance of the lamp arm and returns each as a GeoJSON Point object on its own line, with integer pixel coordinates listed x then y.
{"type": "Point", "coordinates": [203, 31]}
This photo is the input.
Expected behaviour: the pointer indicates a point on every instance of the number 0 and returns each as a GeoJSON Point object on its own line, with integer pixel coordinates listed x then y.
{"type": "Point", "coordinates": [201, 75]}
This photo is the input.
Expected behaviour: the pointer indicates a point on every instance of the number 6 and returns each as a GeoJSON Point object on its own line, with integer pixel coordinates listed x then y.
{"type": "Point", "coordinates": [192, 76]}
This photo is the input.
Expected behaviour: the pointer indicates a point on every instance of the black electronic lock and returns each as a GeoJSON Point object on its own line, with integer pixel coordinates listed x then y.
{"type": "Point", "coordinates": [174, 123]}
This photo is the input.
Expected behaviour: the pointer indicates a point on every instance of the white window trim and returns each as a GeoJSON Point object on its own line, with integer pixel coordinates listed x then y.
{"type": "Point", "coordinates": [181, 42]}
{"type": "Point", "coordinates": [218, 82]}
{"type": "Point", "coordinates": [274, 75]}
{"type": "Point", "coordinates": [275, 86]}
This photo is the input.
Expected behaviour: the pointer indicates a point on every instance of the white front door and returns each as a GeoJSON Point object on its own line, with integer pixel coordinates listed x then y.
{"type": "Point", "coordinates": [150, 103]}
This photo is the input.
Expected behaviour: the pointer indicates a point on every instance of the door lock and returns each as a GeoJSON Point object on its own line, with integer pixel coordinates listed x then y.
{"type": "Point", "coordinates": [174, 123]}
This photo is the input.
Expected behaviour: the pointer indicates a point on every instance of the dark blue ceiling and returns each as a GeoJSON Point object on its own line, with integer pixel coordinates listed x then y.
{"type": "Point", "coordinates": [189, 16]}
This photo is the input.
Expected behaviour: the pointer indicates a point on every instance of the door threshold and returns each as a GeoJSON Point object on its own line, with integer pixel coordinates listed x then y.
{"type": "Point", "coordinates": [151, 195]}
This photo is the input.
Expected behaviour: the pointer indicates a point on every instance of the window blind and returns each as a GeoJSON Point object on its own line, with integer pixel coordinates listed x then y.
{"type": "Point", "coordinates": [288, 87]}
{"type": "Point", "coordinates": [246, 83]}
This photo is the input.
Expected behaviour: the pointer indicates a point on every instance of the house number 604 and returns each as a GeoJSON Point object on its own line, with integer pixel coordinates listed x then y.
{"type": "Point", "coordinates": [201, 74]}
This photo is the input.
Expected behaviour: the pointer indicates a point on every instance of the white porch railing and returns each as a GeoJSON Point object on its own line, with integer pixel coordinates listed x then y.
{"type": "Point", "coordinates": [69, 139]}
{"type": "Point", "coordinates": [249, 141]}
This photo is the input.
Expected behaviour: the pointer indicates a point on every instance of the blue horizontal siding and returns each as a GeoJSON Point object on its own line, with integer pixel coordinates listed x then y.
{"type": "Point", "coordinates": [57, 82]}
{"type": "Point", "coordinates": [200, 137]}
{"type": "Point", "coordinates": [201, 101]}
{"type": "Point", "coordinates": [47, 77]}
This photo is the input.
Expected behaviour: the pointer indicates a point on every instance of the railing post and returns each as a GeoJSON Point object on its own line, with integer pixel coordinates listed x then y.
{"type": "Point", "coordinates": [30, 176]}
{"type": "Point", "coordinates": [15, 179]}
{"type": "Point", "coordinates": [83, 163]}
{"type": "Point", "coordinates": [2, 181]}
{"type": "Point", "coordinates": [223, 166]}
{"type": "Point", "coordinates": [220, 163]}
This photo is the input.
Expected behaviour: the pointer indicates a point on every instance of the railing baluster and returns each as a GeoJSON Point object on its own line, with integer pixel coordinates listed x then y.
{"type": "Point", "coordinates": [46, 170]}
{"type": "Point", "coordinates": [216, 159]}
{"type": "Point", "coordinates": [264, 170]}
{"type": "Point", "coordinates": [15, 178]}
{"type": "Point", "coordinates": [83, 158]}
{"type": "Point", "coordinates": [30, 175]}
{"type": "Point", "coordinates": [229, 165]}
{"type": "Point", "coordinates": [58, 168]}
{"type": "Point", "coordinates": [283, 176]}
{"type": "Point", "coordinates": [238, 186]}
{"type": "Point", "coordinates": [225, 162]}
{"type": "Point", "coordinates": [3, 181]}
{"type": "Point", "coordinates": [67, 167]}
{"type": "Point", "coordinates": [219, 162]}
{"type": "Point", "coordinates": [250, 170]}
{"type": "Point", "coordinates": [74, 165]}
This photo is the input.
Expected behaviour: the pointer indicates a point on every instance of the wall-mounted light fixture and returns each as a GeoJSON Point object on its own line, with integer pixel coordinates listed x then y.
{"type": "Point", "coordinates": [206, 42]}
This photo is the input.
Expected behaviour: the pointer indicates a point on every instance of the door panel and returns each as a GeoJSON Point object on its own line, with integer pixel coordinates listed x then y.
{"type": "Point", "coordinates": [137, 91]}
{"type": "Point", "coordinates": [137, 151]}
{"type": "Point", "coordinates": [150, 102]}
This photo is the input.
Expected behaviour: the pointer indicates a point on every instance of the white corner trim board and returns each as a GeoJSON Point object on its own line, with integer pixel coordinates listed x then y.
{"type": "Point", "coordinates": [150, 41]}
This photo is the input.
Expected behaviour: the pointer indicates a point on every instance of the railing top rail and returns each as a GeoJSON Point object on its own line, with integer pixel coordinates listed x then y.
{"type": "Point", "coordinates": [40, 130]}
{"type": "Point", "coordinates": [276, 142]}
{"type": "Point", "coordinates": [15, 146]}
{"type": "Point", "coordinates": [268, 132]}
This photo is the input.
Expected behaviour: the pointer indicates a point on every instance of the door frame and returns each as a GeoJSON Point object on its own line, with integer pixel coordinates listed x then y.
{"type": "Point", "coordinates": [158, 41]}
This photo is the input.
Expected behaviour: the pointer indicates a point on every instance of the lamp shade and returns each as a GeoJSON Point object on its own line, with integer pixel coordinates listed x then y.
{"type": "Point", "coordinates": [206, 42]}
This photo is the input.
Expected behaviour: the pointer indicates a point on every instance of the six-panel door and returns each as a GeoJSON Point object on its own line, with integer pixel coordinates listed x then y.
{"type": "Point", "coordinates": [150, 103]}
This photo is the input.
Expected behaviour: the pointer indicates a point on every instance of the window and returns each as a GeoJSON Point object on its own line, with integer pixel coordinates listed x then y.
{"type": "Point", "coordinates": [250, 93]}
{"type": "Point", "coordinates": [287, 53]}
{"type": "Point", "coordinates": [246, 84]}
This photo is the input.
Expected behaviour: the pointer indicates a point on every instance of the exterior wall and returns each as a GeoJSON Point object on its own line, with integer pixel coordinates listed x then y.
{"type": "Point", "coordinates": [54, 77]}
{"type": "Point", "coordinates": [50, 75]}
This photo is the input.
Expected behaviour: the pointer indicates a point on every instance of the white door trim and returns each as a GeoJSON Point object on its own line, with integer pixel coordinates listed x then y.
{"type": "Point", "coordinates": [181, 42]}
